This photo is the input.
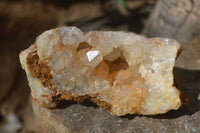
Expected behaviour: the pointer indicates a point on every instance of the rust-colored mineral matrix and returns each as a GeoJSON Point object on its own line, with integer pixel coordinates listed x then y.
{"type": "Point", "coordinates": [123, 72]}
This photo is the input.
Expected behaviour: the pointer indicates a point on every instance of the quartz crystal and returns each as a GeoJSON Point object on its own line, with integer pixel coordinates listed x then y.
{"type": "Point", "coordinates": [122, 72]}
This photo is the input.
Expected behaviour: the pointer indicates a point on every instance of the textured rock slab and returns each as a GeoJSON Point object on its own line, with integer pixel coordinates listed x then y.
{"type": "Point", "coordinates": [166, 21]}
{"type": "Point", "coordinates": [122, 72]}
{"type": "Point", "coordinates": [191, 53]}
{"type": "Point", "coordinates": [80, 118]}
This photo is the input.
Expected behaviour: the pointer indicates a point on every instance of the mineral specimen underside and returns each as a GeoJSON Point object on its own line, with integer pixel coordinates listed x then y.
{"type": "Point", "coordinates": [122, 72]}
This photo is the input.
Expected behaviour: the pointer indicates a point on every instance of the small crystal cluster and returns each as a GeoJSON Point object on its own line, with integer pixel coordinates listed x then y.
{"type": "Point", "coordinates": [122, 72]}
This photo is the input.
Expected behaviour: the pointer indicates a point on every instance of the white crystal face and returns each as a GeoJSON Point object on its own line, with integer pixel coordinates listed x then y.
{"type": "Point", "coordinates": [92, 54]}
{"type": "Point", "coordinates": [128, 72]}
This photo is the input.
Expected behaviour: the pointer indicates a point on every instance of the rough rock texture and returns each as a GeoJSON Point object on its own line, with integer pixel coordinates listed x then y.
{"type": "Point", "coordinates": [87, 118]}
{"type": "Point", "coordinates": [122, 72]}
{"type": "Point", "coordinates": [191, 54]}
{"type": "Point", "coordinates": [178, 19]}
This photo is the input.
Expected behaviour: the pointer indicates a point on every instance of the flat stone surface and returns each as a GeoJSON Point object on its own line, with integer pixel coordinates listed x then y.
{"type": "Point", "coordinates": [80, 118]}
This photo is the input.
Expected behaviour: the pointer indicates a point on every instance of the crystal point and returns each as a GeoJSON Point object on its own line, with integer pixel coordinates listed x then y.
{"type": "Point", "coordinates": [92, 54]}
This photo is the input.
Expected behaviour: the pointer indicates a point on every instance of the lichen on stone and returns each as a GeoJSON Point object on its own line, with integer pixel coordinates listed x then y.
{"type": "Point", "coordinates": [123, 72]}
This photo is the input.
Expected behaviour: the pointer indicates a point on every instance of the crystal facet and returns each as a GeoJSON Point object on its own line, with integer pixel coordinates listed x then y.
{"type": "Point", "coordinates": [92, 54]}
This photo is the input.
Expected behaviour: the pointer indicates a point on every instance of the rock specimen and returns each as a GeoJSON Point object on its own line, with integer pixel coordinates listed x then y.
{"type": "Point", "coordinates": [122, 72]}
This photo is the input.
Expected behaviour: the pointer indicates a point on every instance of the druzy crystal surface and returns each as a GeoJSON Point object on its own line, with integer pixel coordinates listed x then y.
{"type": "Point", "coordinates": [123, 72]}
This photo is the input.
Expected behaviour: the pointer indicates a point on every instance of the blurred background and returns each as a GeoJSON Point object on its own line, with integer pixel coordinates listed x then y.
{"type": "Point", "coordinates": [21, 21]}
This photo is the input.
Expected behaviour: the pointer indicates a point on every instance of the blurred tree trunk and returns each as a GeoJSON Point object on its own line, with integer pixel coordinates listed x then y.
{"type": "Point", "coordinates": [178, 19]}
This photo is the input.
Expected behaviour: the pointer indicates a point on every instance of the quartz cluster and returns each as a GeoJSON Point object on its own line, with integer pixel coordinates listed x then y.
{"type": "Point", "coordinates": [122, 72]}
